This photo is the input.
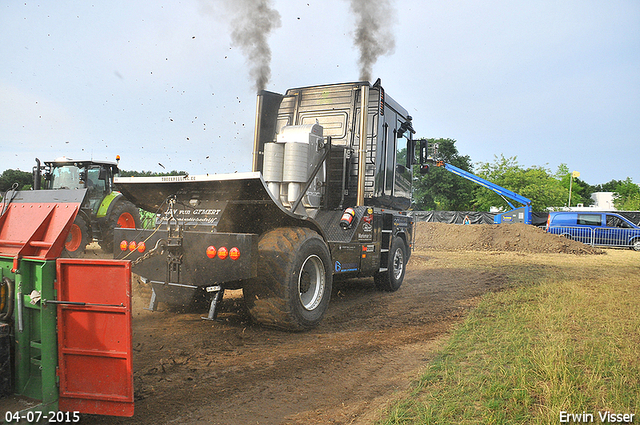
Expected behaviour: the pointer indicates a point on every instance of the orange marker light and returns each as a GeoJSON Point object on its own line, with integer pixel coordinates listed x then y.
{"type": "Point", "coordinates": [132, 246]}
{"type": "Point", "coordinates": [234, 253]}
{"type": "Point", "coordinates": [211, 251]}
{"type": "Point", "coordinates": [142, 247]}
{"type": "Point", "coordinates": [222, 253]}
{"type": "Point", "coordinates": [123, 245]}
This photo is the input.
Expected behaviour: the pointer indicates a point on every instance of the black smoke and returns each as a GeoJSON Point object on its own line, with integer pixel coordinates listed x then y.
{"type": "Point", "coordinates": [252, 21]}
{"type": "Point", "coordinates": [373, 36]}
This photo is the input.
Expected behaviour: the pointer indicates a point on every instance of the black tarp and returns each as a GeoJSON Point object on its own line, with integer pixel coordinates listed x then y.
{"type": "Point", "coordinates": [454, 217]}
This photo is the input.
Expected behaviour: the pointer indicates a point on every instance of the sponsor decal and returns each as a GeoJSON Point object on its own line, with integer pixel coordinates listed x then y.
{"type": "Point", "coordinates": [347, 267]}
{"type": "Point", "coordinates": [401, 222]}
{"type": "Point", "coordinates": [366, 227]}
{"type": "Point", "coordinates": [197, 215]}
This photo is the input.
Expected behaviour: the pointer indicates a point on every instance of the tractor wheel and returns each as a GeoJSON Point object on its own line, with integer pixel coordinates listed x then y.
{"type": "Point", "coordinates": [293, 286]}
{"type": "Point", "coordinates": [125, 215]}
{"type": "Point", "coordinates": [391, 279]}
{"type": "Point", "coordinates": [78, 238]}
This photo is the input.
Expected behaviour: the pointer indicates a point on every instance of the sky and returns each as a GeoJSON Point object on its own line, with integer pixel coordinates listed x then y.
{"type": "Point", "coordinates": [168, 85]}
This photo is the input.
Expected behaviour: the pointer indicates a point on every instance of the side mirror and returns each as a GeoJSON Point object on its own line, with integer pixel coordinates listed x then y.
{"type": "Point", "coordinates": [411, 153]}
{"type": "Point", "coordinates": [423, 151]}
{"type": "Point", "coordinates": [424, 169]}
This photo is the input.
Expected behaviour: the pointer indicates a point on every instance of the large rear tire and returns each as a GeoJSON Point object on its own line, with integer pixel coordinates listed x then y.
{"type": "Point", "coordinates": [293, 287]}
{"type": "Point", "coordinates": [77, 239]}
{"type": "Point", "coordinates": [124, 215]}
{"type": "Point", "coordinates": [391, 279]}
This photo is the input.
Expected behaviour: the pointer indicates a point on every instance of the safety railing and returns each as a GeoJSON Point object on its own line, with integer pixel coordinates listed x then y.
{"type": "Point", "coordinates": [602, 236]}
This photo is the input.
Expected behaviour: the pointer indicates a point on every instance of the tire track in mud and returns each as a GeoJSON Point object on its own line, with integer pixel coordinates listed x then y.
{"type": "Point", "coordinates": [370, 345]}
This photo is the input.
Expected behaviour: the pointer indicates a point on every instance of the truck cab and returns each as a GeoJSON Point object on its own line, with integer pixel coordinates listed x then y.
{"type": "Point", "coordinates": [377, 172]}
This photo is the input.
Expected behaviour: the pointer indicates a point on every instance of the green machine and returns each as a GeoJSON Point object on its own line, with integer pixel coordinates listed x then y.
{"type": "Point", "coordinates": [37, 356]}
{"type": "Point", "coordinates": [103, 208]}
{"type": "Point", "coordinates": [33, 229]}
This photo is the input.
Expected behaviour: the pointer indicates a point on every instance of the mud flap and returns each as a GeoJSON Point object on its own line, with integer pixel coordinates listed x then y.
{"type": "Point", "coordinates": [95, 365]}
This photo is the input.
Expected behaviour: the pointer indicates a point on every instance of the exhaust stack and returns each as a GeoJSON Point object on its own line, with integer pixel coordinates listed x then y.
{"type": "Point", "coordinates": [362, 148]}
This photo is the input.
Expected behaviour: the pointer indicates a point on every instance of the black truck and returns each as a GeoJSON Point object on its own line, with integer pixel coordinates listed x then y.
{"type": "Point", "coordinates": [328, 197]}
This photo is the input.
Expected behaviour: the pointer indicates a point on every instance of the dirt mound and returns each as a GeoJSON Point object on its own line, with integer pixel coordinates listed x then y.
{"type": "Point", "coordinates": [495, 237]}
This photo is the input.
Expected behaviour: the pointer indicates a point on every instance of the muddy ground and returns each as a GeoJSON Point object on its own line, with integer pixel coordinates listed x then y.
{"type": "Point", "coordinates": [369, 347]}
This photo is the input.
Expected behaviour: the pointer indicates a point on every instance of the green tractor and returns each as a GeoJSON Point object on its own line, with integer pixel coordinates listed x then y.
{"type": "Point", "coordinates": [103, 208]}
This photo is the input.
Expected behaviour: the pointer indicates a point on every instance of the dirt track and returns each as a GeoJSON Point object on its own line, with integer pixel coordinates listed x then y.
{"type": "Point", "coordinates": [369, 346]}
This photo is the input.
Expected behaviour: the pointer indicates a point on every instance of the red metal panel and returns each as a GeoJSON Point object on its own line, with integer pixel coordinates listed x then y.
{"type": "Point", "coordinates": [36, 223]}
{"type": "Point", "coordinates": [94, 340]}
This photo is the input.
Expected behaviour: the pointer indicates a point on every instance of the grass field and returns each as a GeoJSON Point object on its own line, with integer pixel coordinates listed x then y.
{"type": "Point", "coordinates": [562, 340]}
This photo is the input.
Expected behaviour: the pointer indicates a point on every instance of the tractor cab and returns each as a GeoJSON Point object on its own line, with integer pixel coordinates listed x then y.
{"type": "Point", "coordinates": [65, 173]}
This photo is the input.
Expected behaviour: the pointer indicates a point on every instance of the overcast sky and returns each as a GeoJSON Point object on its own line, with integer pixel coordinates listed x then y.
{"type": "Point", "coordinates": [157, 82]}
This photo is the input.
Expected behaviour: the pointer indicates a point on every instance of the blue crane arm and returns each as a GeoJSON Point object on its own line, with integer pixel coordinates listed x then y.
{"type": "Point", "coordinates": [505, 193]}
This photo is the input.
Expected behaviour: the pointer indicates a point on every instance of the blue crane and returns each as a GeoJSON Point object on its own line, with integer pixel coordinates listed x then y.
{"type": "Point", "coordinates": [516, 215]}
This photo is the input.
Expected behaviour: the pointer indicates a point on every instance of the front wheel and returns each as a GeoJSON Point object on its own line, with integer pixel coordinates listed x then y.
{"type": "Point", "coordinates": [77, 239]}
{"type": "Point", "coordinates": [293, 287]}
{"type": "Point", "coordinates": [391, 279]}
{"type": "Point", "coordinates": [635, 245]}
{"type": "Point", "coordinates": [124, 215]}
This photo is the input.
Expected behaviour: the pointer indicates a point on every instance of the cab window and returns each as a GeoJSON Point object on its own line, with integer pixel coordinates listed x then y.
{"type": "Point", "coordinates": [615, 221]}
{"type": "Point", "coordinates": [66, 177]}
{"type": "Point", "coordinates": [590, 219]}
{"type": "Point", "coordinates": [403, 156]}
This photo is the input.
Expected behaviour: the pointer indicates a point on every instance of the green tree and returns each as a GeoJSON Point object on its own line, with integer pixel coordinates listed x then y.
{"type": "Point", "coordinates": [609, 186]}
{"type": "Point", "coordinates": [440, 189]}
{"type": "Point", "coordinates": [536, 183]}
{"type": "Point", "coordinates": [9, 177]}
{"type": "Point", "coordinates": [580, 190]}
{"type": "Point", "coordinates": [626, 196]}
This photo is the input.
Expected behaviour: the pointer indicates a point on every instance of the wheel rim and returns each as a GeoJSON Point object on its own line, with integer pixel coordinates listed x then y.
{"type": "Point", "coordinates": [636, 245]}
{"type": "Point", "coordinates": [74, 239]}
{"type": "Point", "coordinates": [398, 264]}
{"type": "Point", "coordinates": [126, 221]}
{"type": "Point", "coordinates": [311, 282]}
